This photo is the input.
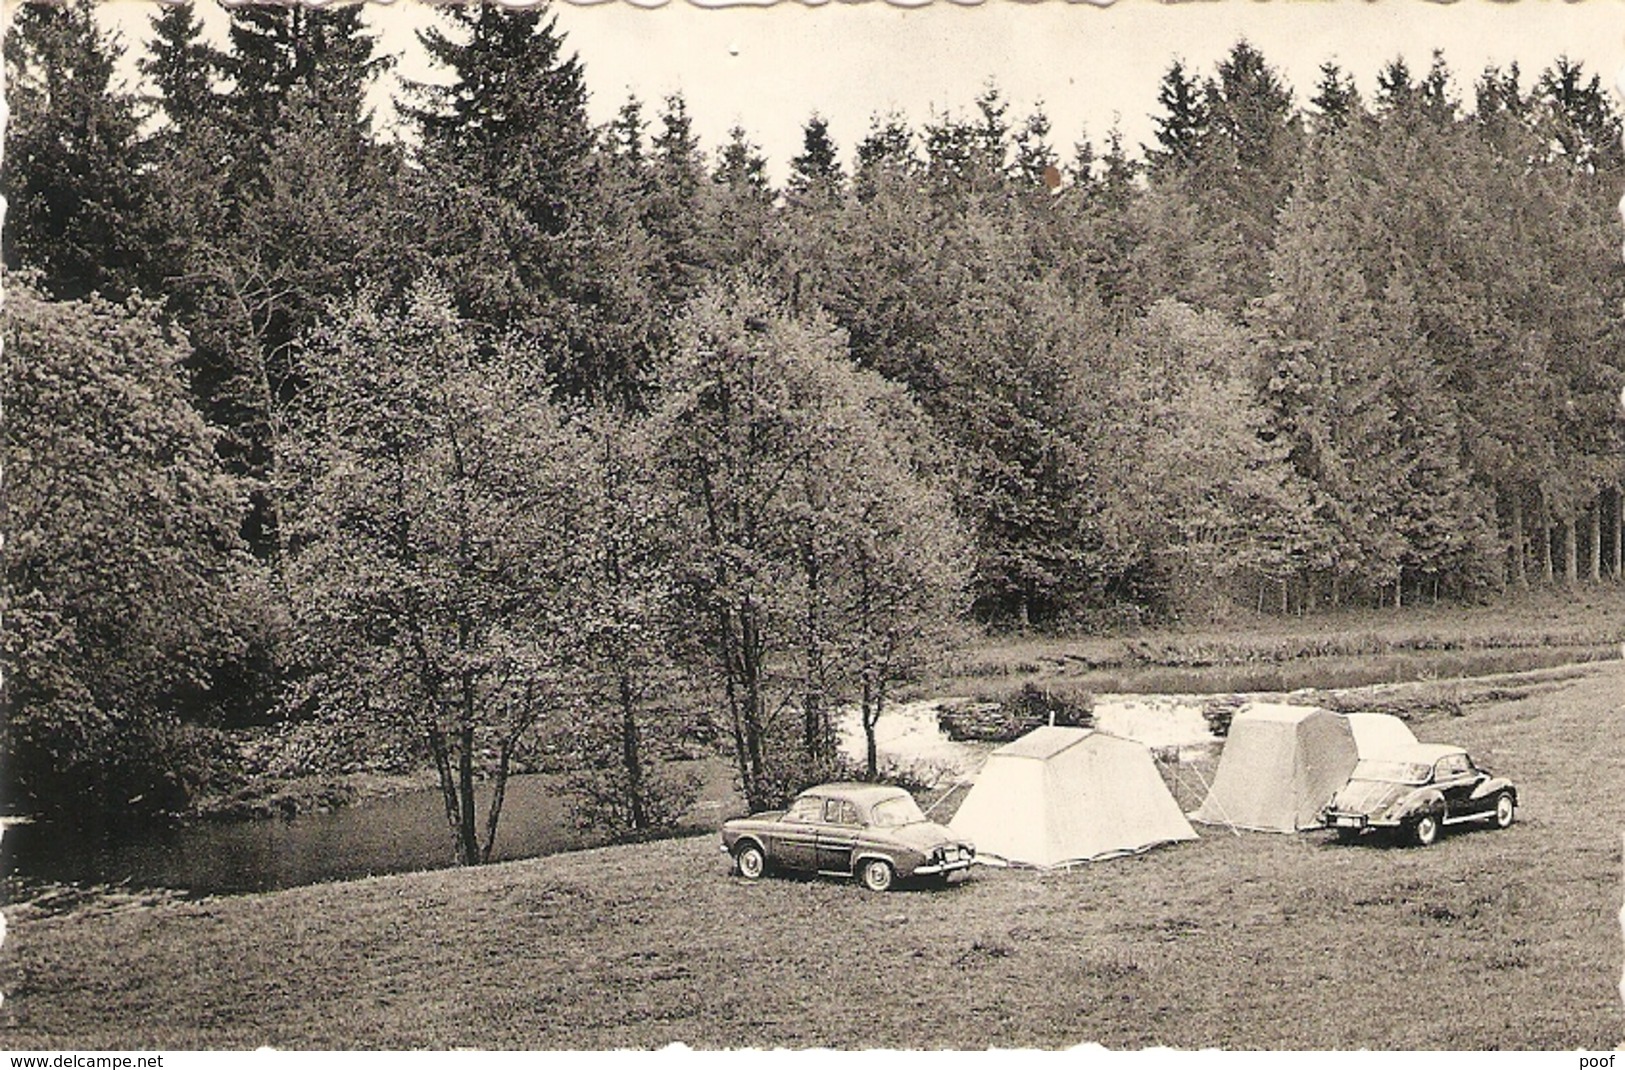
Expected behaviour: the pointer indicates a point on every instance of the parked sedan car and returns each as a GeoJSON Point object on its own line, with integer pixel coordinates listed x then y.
{"type": "Point", "coordinates": [869, 831]}
{"type": "Point", "coordinates": [1419, 789]}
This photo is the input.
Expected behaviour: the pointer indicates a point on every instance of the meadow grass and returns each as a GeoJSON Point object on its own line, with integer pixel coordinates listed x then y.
{"type": "Point", "coordinates": [1486, 940]}
{"type": "Point", "coordinates": [1351, 648]}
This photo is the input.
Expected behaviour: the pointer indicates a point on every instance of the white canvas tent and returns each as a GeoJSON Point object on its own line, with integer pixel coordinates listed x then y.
{"type": "Point", "coordinates": [1279, 766]}
{"type": "Point", "coordinates": [1062, 795]}
{"type": "Point", "coordinates": [1378, 733]}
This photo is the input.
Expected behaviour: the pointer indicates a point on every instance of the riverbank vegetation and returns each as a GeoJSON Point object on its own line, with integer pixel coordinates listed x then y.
{"type": "Point", "coordinates": [1512, 936]}
{"type": "Point", "coordinates": [494, 440]}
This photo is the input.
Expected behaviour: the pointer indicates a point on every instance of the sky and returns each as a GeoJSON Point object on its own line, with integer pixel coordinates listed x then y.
{"type": "Point", "coordinates": [768, 68]}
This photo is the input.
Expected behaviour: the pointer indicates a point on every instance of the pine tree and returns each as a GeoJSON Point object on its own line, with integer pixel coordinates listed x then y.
{"type": "Point", "coordinates": [182, 66]}
{"type": "Point", "coordinates": [815, 174]}
{"type": "Point", "coordinates": [322, 55]}
{"type": "Point", "coordinates": [1183, 126]}
{"type": "Point", "coordinates": [1336, 98]}
{"type": "Point", "coordinates": [514, 116]}
{"type": "Point", "coordinates": [74, 172]}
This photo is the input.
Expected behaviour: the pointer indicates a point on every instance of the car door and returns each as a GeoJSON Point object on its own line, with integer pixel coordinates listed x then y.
{"type": "Point", "coordinates": [1472, 803]}
{"type": "Point", "coordinates": [837, 836]}
{"type": "Point", "coordinates": [795, 840]}
{"type": "Point", "coordinates": [1454, 776]}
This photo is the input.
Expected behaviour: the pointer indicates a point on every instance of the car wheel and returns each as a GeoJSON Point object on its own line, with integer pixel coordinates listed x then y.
{"type": "Point", "coordinates": [1425, 830]}
{"type": "Point", "coordinates": [877, 875]}
{"type": "Point", "coordinates": [1505, 809]}
{"type": "Point", "coordinates": [750, 862]}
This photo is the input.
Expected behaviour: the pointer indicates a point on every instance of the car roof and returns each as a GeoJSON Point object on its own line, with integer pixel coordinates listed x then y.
{"type": "Point", "coordinates": [1421, 753]}
{"type": "Point", "coordinates": [867, 794]}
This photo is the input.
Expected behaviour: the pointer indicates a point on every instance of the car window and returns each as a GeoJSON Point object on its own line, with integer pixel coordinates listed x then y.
{"type": "Point", "coordinates": [1452, 766]}
{"type": "Point", "coordinates": [849, 814]}
{"type": "Point", "coordinates": [1392, 772]}
{"type": "Point", "coordinates": [895, 812]}
{"type": "Point", "coordinates": [808, 809]}
{"type": "Point", "coordinates": [832, 811]}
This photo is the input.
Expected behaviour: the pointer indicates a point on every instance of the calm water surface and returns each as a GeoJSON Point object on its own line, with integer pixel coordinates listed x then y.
{"type": "Point", "coordinates": [388, 835]}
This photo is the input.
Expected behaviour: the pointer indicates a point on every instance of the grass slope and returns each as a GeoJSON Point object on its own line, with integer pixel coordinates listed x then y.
{"type": "Point", "coordinates": [1487, 940]}
{"type": "Point", "coordinates": [1338, 648]}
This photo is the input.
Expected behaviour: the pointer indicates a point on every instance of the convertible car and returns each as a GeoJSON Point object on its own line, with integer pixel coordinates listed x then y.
{"type": "Point", "coordinates": [869, 831]}
{"type": "Point", "coordinates": [1417, 790]}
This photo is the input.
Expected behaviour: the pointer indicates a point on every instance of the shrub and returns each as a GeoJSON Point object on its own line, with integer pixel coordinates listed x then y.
{"type": "Point", "coordinates": [1219, 711]}
{"type": "Point", "coordinates": [601, 800]}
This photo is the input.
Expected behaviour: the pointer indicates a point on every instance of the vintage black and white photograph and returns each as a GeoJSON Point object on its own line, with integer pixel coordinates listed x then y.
{"type": "Point", "coordinates": [861, 526]}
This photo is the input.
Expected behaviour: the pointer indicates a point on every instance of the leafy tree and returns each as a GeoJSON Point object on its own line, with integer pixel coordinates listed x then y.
{"type": "Point", "coordinates": [126, 585]}
{"type": "Point", "coordinates": [632, 633]}
{"type": "Point", "coordinates": [1209, 504]}
{"type": "Point", "coordinates": [795, 478]}
{"type": "Point", "coordinates": [74, 171]}
{"type": "Point", "coordinates": [433, 518]}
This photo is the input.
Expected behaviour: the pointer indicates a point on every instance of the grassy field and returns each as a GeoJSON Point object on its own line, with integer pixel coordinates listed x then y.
{"type": "Point", "coordinates": [1351, 648]}
{"type": "Point", "coordinates": [1487, 940]}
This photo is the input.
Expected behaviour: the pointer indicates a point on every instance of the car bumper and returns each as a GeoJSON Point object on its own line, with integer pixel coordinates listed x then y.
{"type": "Point", "coordinates": [933, 870]}
{"type": "Point", "coordinates": [1356, 821]}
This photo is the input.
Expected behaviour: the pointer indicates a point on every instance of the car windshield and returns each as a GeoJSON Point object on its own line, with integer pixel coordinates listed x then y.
{"type": "Point", "coordinates": [895, 812]}
{"type": "Point", "coordinates": [1393, 772]}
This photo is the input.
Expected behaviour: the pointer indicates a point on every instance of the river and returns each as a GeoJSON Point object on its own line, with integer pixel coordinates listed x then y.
{"type": "Point", "coordinates": [383, 835]}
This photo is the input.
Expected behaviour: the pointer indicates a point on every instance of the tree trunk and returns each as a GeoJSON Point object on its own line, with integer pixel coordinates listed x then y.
{"type": "Point", "coordinates": [814, 727]}
{"type": "Point", "coordinates": [757, 791]}
{"type": "Point", "coordinates": [1619, 532]}
{"type": "Point", "coordinates": [1520, 571]}
{"type": "Point", "coordinates": [1594, 539]}
{"type": "Point", "coordinates": [499, 792]}
{"type": "Point", "coordinates": [1547, 569]}
{"type": "Point", "coordinates": [1571, 551]}
{"type": "Point", "coordinates": [467, 834]}
{"type": "Point", "coordinates": [631, 752]}
{"type": "Point", "coordinates": [448, 787]}
{"type": "Point", "coordinates": [871, 717]}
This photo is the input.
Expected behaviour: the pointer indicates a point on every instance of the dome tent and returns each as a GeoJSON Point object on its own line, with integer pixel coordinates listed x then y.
{"type": "Point", "coordinates": [1279, 766]}
{"type": "Point", "coordinates": [1058, 796]}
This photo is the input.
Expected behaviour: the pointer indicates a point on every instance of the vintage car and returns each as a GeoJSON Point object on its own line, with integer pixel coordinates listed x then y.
{"type": "Point", "coordinates": [1417, 790]}
{"type": "Point", "coordinates": [870, 831]}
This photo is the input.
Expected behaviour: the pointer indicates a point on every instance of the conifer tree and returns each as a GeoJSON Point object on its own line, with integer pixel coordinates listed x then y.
{"type": "Point", "coordinates": [74, 174]}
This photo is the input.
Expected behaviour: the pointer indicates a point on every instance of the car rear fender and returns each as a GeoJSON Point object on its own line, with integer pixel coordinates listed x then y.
{"type": "Point", "coordinates": [1495, 785]}
{"type": "Point", "coordinates": [1428, 801]}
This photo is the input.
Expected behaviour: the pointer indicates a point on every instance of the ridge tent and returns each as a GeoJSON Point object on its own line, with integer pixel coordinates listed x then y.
{"type": "Point", "coordinates": [1279, 766]}
{"type": "Point", "coordinates": [1378, 733]}
{"type": "Point", "coordinates": [1062, 795]}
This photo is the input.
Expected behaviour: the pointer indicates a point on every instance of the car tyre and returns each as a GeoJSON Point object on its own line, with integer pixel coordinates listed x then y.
{"type": "Point", "coordinates": [877, 875]}
{"type": "Point", "coordinates": [1506, 810]}
{"type": "Point", "coordinates": [1425, 830]}
{"type": "Point", "coordinates": [749, 862]}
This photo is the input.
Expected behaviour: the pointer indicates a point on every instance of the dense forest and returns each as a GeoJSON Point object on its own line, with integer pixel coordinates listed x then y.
{"type": "Point", "coordinates": [501, 439]}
